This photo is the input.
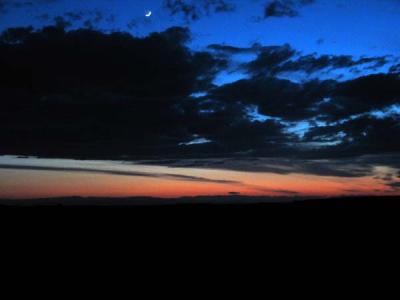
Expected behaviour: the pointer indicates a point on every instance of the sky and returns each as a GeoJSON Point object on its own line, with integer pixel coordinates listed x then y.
{"type": "Point", "coordinates": [171, 98]}
{"type": "Point", "coordinates": [355, 27]}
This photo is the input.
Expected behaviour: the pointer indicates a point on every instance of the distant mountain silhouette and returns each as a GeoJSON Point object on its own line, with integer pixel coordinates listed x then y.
{"type": "Point", "coordinates": [205, 201]}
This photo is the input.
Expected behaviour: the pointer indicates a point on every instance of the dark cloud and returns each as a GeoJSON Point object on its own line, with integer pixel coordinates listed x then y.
{"type": "Point", "coordinates": [74, 15]}
{"type": "Point", "coordinates": [270, 59]}
{"type": "Point", "coordinates": [274, 60]}
{"type": "Point", "coordinates": [394, 185]}
{"type": "Point", "coordinates": [193, 10]}
{"type": "Point", "coordinates": [230, 130]}
{"type": "Point", "coordinates": [312, 63]}
{"type": "Point", "coordinates": [9, 4]}
{"type": "Point", "coordinates": [79, 18]}
{"type": "Point", "coordinates": [361, 95]}
{"type": "Point", "coordinates": [395, 69]}
{"type": "Point", "coordinates": [361, 135]}
{"type": "Point", "coordinates": [231, 50]}
{"type": "Point", "coordinates": [94, 19]}
{"type": "Point", "coordinates": [84, 92]}
{"type": "Point", "coordinates": [285, 192]}
{"type": "Point", "coordinates": [284, 8]}
{"type": "Point", "coordinates": [87, 94]}
{"type": "Point", "coordinates": [321, 99]}
{"type": "Point", "coordinates": [277, 97]}
{"type": "Point", "coordinates": [62, 22]}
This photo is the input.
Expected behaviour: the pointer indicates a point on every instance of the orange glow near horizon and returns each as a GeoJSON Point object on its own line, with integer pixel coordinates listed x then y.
{"type": "Point", "coordinates": [18, 184]}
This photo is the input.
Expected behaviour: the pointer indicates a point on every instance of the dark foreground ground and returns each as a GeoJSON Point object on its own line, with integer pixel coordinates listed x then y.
{"type": "Point", "coordinates": [201, 218]}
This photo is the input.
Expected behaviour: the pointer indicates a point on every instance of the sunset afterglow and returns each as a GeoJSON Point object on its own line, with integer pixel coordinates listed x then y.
{"type": "Point", "coordinates": [19, 179]}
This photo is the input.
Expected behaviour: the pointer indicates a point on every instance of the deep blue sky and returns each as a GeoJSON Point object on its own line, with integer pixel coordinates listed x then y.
{"type": "Point", "coordinates": [356, 27]}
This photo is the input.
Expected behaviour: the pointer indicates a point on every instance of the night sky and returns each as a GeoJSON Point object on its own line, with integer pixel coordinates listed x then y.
{"type": "Point", "coordinates": [171, 98]}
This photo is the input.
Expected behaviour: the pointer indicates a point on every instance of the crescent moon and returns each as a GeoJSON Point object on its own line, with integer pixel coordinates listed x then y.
{"type": "Point", "coordinates": [149, 13]}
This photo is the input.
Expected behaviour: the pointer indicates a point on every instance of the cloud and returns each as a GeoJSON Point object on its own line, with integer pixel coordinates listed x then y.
{"type": "Point", "coordinates": [365, 134]}
{"type": "Point", "coordinates": [115, 96]}
{"type": "Point", "coordinates": [88, 94]}
{"type": "Point", "coordinates": [395, 69]}
{"type": "Point", "coordinates": [394, 185]}
{"type": "Point", "coordinates": [284, 8]}
{"type": "Point", "coordinates": [274, 60]}
{"type": "Point", "coordinates": [117, 173]}
{"type": "Point", "coordinates": [328, 100]}
{"type": "Point", "coordinates": [277, 97]}
{"type": "Point", "coordinates": [231, 50]}
{"type": "Point", "coordinates": [86, 18]}
{"type": "Point", "coordinates": [194, 10]}
{"type": "Point", "coordinates": [284, 192]}
{"type": "Point", "coordinates": [10, 4]}
{"type": "Point", "coordinates": [79, 18]}
{"type": "Point", "coordinates": [361, 95]}
{"type": "Point", "coordinates": [332, 167]}
{"type": "Point", "coordinates": [283, 59]}
{"type": "Point", "coordinates": [167, 176]}
{"type": "Point", "coordinates": [270, 58]}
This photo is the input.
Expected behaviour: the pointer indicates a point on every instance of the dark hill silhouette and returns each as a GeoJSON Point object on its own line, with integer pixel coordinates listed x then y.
{"type": "Point", "coordinates": [207, 201]}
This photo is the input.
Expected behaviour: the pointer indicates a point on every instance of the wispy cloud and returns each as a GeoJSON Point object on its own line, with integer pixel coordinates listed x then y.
{"type": "Point", "coordinates": [194, 10]}
{"type": "Point", "coordinates": [167, 176]}
{"type": "Point", "coordinates": [117, 173]}
{"type": "Point", "coordinates": [285, 8]}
